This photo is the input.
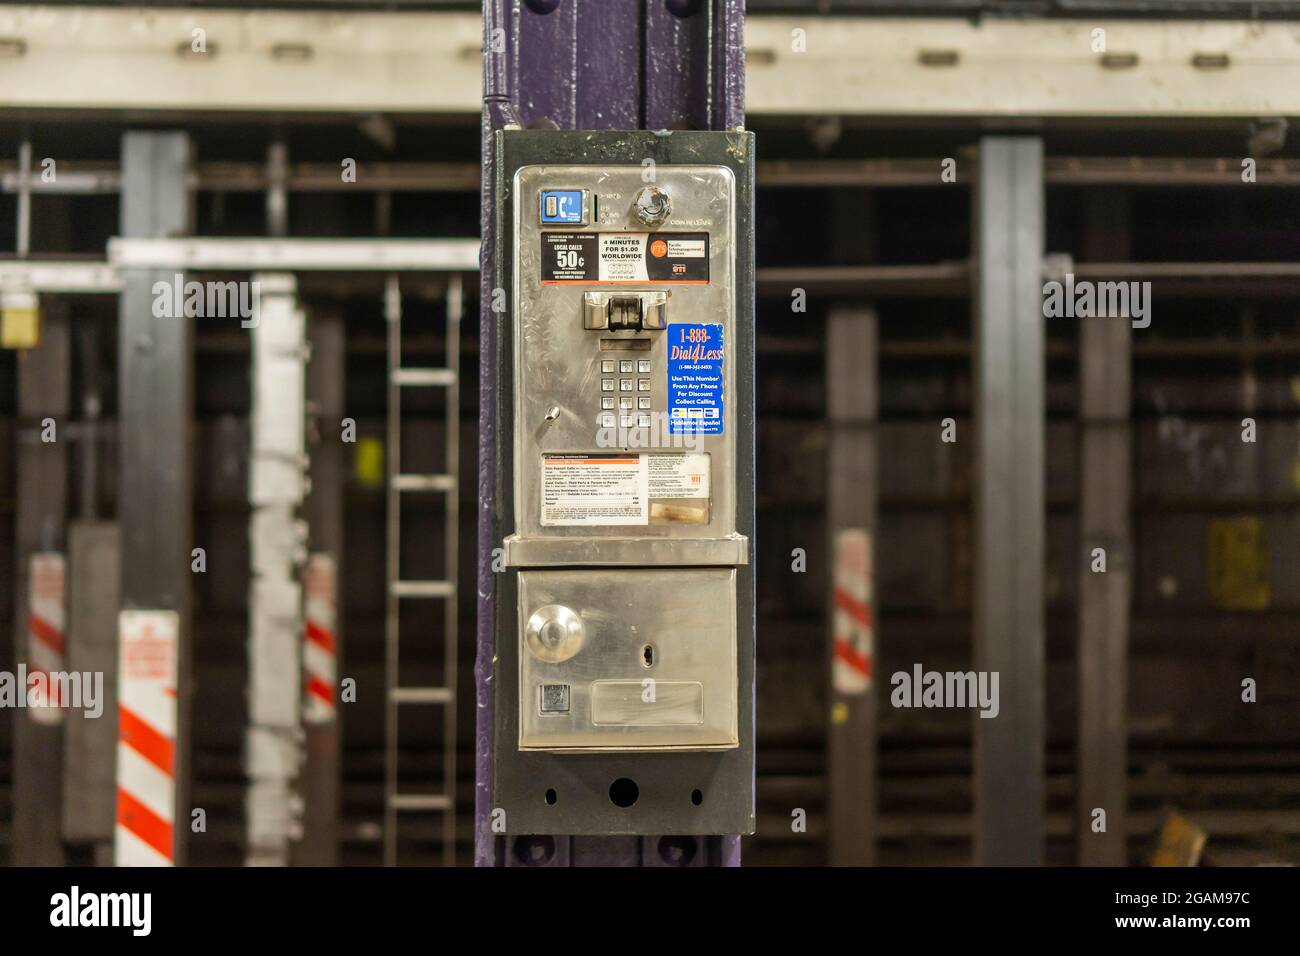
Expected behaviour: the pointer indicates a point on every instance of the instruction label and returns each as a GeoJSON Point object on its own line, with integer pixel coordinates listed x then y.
{"type": "Point", "coordinates": [595, 258]}
{"type": "Point", "coordinates": [678, 476]}
{"type": "Point", "coordinates": [617, 489]}
{"type": "Point", "coordinates": [594, 490]}
{"type": "Point", "coordinates": [695, 382]}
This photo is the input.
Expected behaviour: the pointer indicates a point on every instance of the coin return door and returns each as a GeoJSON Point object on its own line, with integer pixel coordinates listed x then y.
{"type": "Point", "coordinates": [624, 561]}
{"type": "Point", "coordinates": [627, 660]}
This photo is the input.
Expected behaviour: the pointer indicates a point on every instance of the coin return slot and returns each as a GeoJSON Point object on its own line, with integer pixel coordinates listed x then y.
{"type": "Point", "coordinates": [620, 345]}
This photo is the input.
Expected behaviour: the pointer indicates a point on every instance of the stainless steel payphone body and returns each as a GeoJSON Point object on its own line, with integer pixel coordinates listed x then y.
{"type": "Point", "coordinates": [624, 608]}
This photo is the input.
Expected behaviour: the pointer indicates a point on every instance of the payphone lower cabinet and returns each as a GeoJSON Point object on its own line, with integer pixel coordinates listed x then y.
{"type": "Point", "coordinates": [624, 612]}
{"type": "Point", "coordinates": [627, 660]}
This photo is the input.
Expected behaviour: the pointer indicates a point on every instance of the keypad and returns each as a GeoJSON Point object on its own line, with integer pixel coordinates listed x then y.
{"type": "Point", "coordinates": [634, 404]}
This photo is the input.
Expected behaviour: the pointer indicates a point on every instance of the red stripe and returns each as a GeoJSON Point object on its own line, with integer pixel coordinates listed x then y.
{"type": "Point", "coordinates": [47, 634]}
{"type": "Point", "coordinates": [318, 688]}
{"type": "Point", "coordinates": [51, 686]}
{"type": "Point", "coordinates": [144, 823]}
{"type": "Point", "coordinates": [154, 747]}
{"type": "Point", "coordinates": [858, 610]}
{"type": "Point", "coordinates": [320, 636]}
{"type": "Point", "coordinates": [847, 653]}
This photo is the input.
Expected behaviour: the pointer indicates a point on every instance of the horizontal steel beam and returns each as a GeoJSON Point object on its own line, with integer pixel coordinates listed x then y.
{"type": "Point", "coordinates": [52, 275]}
{"type": "Point", "coordinates": [938, 279]}
{"type": "Point", "coordinates": [105, 178]}
{"type": "Point", "coordinates": [297, 255]}
{"type": "Point", "coordinates": [843, 66]}
{"type": "Point", "coordinates": [430, 63]}
{"type": "Point", "coordinates": [231, 177]}
{"type": "Point", "coordinates": [1057, 171]}
{"type": "Point", "coordinates": [310, 61]}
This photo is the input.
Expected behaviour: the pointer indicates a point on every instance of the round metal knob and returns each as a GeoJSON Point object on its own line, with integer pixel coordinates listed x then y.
{"type": "Point", "coordinates": [652, 205]}
{"type": "Point", "coordinates": [554, 633]}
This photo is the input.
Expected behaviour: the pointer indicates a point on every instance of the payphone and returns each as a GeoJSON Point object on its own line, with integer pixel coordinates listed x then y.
{"type": "Point", "coordinates": [624, 609]}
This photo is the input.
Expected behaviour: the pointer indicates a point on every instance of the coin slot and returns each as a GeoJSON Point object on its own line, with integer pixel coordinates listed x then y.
{"type": "Point", "coordinates": [551, 797]}
{"type": "Point", "coordinates": [648, 656]}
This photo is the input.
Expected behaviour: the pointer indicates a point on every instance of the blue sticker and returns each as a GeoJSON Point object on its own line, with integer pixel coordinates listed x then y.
{"type": "Point", "coordinates": [695, 380]}
{"type": "Point", "coordinates": [562, 206]}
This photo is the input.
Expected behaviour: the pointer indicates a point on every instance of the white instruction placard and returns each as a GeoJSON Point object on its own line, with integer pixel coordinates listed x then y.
{"type": "Point", "coordinates": [678, 476]}
{"type": "Point", "coordinates": [594, 490]}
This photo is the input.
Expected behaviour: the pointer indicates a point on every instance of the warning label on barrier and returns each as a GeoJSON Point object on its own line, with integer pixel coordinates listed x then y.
{"type": "Point", "coordinates": [609, 258]}
{"type": "Point", "coordinates": [594, 490]}
{"type": "Point", "coordinates": [147, 642]}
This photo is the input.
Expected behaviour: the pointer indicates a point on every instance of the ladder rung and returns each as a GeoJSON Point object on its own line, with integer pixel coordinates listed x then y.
{"type": "Point", "coordinates": [423, 376]}
{"type": "Point", "coordinates": [424, 482]}
{"type": "Point", "coordinates": [420, 801]}
{"type": "Point", "coordinates": [423, 589]}
{"type": "Point", "coordinates": [421, 695]}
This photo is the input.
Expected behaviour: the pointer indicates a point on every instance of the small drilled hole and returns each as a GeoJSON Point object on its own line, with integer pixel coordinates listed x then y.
{"type": "Point", "coordinates": [648, 656]}
{"type": "Point", "coordinates": [551, 798]}
{"type": "Point", "coordinates": [697, 797]}
{"type": "Point", "coordinates": [623, 792]}
{"type": "Point", "coordinates": [535, 850]}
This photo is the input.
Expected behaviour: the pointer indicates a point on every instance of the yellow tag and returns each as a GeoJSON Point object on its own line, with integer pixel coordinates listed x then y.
{"type": "Point", "coordinates": [1180, 843]}
{"type": "Point", "coordinates": [839, 712]}
{"type": "Point", "coordinates": [369, 463]}
{"type": "Point", "coordinates": [1237, 563]}
{"type": "Point", "coordinates": [20, 327]}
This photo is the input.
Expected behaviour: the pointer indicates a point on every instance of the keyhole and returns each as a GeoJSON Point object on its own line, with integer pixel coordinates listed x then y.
{"type": "Point", "coordinates": [648, 656]}
{"type": "Point", "coordinates": [552, 633]}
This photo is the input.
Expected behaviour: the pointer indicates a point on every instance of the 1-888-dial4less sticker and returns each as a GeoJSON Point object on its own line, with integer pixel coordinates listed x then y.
{"type": "Point", "coordinates": [695, 380]}
{"type": "Point", "coordinates": [595, 258]}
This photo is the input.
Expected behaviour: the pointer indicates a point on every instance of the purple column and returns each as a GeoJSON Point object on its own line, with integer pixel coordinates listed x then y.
{"type": "Point", "coordinates": [615, 64]}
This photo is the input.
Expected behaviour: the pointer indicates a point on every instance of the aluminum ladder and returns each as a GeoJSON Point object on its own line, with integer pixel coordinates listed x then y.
{"type": "Point", "coordinates": [398, 589]}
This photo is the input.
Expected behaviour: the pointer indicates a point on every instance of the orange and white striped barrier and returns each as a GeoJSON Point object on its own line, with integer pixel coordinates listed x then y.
{"type": "Point", "coordinates": [148, 643]}
{"type": "Point", "coordinates": [854, 631]}
{"type": "Point", "coordinates": [45, 637]}
{"type": "Point", "coordinates": [319, 647]}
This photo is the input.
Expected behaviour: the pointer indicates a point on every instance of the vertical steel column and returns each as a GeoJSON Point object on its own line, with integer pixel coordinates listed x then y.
{"type": "Point", "coordinates": [40, 525]}
{"type": "Point", "coordinates": [852, 400]}
{"type": "Point", "coordinates": [277, 553]}
{"type": "Point", "coordinates": [326, 394]}
{"type": "Point", "coordinates": [1009, 513]}
{"type": "Point", "coordinates": [156, 382]}
{"type": "Point", "coordinates": [614, 65]}
{"type": "Point", "coordinates": [1105, 496]}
